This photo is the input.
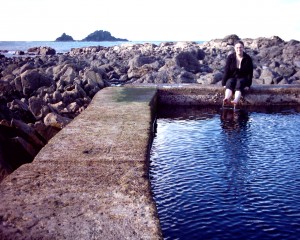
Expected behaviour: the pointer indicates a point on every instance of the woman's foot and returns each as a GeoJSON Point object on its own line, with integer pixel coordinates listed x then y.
{"type": "Point", "coordinates": [237, 96]}
{"type": "Point", "coordinates": [234, 103]}
{"type": "Point", "coordinates": [225, 101]}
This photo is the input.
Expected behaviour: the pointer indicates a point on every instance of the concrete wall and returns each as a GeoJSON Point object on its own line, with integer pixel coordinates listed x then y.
{"type": "Point", "coordinates": [259, 95]}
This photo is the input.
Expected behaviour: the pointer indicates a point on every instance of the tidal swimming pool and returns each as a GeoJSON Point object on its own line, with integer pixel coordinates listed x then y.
{"type": "Point", "coordinates": [219, 174]}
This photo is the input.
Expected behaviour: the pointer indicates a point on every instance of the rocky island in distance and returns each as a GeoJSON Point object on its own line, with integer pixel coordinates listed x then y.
{"type": "Point", "coordinates": [96, 36]}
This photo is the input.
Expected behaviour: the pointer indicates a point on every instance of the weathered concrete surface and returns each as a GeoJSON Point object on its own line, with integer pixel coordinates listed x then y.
{"type": "Point", "coordinates": [91, 180]}
{"type": "Point", "coordinates": [195, 94]}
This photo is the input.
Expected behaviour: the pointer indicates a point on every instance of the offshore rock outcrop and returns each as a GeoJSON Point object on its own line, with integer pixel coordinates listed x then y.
{"type": "Point", "coordinates": [97, 36]}
{"type": "Point", "coordinates": [41, 94]}
{"type": "Point", "coordinates": [101, 35]}
{"type": "Point", "coordinates": [64, 38]}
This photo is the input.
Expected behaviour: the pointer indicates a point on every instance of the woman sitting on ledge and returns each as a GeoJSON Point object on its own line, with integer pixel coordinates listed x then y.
{"type": "Point", "coordinates": [238, 74]}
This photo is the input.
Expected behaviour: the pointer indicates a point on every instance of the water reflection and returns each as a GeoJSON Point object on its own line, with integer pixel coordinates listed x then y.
{"type": "Point", "coordinates": [234, 120]}
{"type": "Point", "coordinates": [236, 127]}
{"type": "Point", "coordinates": [187, 112]}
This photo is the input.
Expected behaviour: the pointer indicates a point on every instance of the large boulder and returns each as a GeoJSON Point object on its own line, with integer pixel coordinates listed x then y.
{"type": "Point", "coordinates": [140, 60]}
{"type": "Point", "coordinates": [267, 76]}
{"type": "Point", "coordinates": [41, 51]}
{"type": "Point", "coordinates": [32, 80]}
{"type": "Point", "coordinates": [291, 51]}
{"type": "Point", "coordinates": [28, 134]}
{"type": "Point", "coordinates": [231, 39]}
{"type": "Point", "coordinates": [20, 110]}
{"type": "Point", "coordinates": [188, 61]}
{"type": "Point", "coordinates": [38, 107]}
{"type": "Point", "coordinates": [6, 89]}
{"type": "Point", "coordinates": [93, 78]}
{"type": "Point", "coordinates": [56, 120]}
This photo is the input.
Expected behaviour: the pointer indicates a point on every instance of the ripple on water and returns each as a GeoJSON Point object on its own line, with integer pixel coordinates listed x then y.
{"type": "Point", "coordinates": [216, 176]}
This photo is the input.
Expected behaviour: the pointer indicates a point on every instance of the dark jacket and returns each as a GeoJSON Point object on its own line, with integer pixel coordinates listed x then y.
{"type": "Point", "coordinates": [231, 70]}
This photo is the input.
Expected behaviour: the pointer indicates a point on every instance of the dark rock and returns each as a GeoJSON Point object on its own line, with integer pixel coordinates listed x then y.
{"type": "Point", "coordinates": [6, 89]}
{"type": "Point", "coordinates": [9, 69]}
{"type": "Point", "coordinates": [140, 60]}
{"type": "Point", "coordinates": [186, 77]}
{"type": "Point", "coordinates": [26, 66]}
{"type": "Point", "coordinates": [93, 79]}
{"type": "Point", "coordinates": [290, 52]}
{"type": "Point", "coordinates": [36, 106]}
{"type": "Point", "coordinates": [231, 39]}
{"type": "Point", "coordinates": [188, 61]}
{"type": "Point", "coordinates": [47, 132]}
{"type": "Point", "coordinates": [285, 70]}
{"type": "Point", "coordinates": [268, 76]}
{"type": "Point", "coordinates": [12, 151]}
{"type": "Point", "coordinates": [32, 80]}
{"type": "Point", "coordinates": [4, 110]}
{"type": "Point", "coordinates": [20, 110]}
{"type": "Point", "coordinates": [297, 62]}
{"type": "Point", "coordinates": [56, 120]}
{"type": "Point", "coordinates": [56, 96]}
{"type": "Point", "coordinates": [269, 42]}
{"type": "Point", "coordinates": [27, 147]}
{"type": "Point", "coordinates": [19, 52]}
{"type": "Point", "coordinates": [41, 51]}
{"type": "Point", "coordinates": [28, 133]}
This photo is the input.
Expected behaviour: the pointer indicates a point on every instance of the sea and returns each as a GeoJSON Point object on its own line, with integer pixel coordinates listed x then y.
{"type": "Point", "coordinates": [9, 48]}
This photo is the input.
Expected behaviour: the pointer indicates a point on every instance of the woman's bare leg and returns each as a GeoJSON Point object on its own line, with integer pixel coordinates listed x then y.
{"type": "Point", "coordinates": [228, 95]}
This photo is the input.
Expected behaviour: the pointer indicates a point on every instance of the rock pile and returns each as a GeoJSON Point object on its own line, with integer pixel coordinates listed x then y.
{"type": "Point", "coordinates": [40, 94]}
{"type": "Point", "coordinates": [275, 61]}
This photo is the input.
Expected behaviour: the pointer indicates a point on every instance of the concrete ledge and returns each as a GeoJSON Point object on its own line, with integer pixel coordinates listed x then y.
{"type": "Point", "coordinates": [259, 95]}
{"type": "Point", "coordinates": [91, 180]}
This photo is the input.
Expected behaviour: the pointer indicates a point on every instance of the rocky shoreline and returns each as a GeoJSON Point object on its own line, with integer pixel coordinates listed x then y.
{"type": "Point", "coordinates": [42, 93]}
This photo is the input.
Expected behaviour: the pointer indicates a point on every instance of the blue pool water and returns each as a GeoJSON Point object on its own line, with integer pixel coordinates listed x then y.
{"type": "Point", "coordinates": [224, 175]}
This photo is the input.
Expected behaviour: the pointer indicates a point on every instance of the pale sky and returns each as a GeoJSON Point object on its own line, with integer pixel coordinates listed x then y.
{"type": "Point", "coordinates": [153, 20]}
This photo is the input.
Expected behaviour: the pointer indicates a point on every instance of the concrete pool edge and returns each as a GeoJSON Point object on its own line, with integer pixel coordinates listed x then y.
{"type": "Point", "coordinates": [258, 95]}
{"type": "Point", "coordinates": [92, 178]}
